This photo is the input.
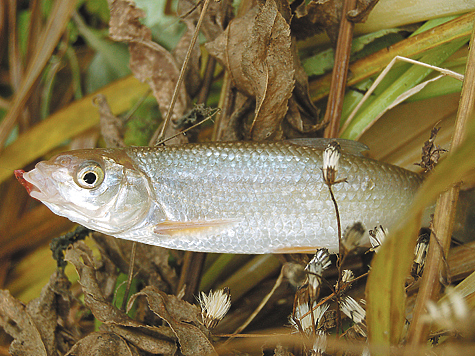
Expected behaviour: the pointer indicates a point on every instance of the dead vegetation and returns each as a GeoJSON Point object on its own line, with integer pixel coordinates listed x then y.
{"type": "Point", "coordinates": [254, 62]}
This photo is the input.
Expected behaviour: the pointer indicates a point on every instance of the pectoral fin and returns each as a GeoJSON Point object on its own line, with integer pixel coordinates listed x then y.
{"type": "Point", "coordinates": [191, 227]}
{"type": "Point", "coordinates": [297, 249]}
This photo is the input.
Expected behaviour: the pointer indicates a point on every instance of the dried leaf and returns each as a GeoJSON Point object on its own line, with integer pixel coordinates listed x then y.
{"type": "Point", "coordinates": [18, 323]}
{"type": "Point", "coordinates": [151, 262]}
{"type": "Point", "coordinates": [256, 50]}
{"type": "Point", "coordinates": [216, 15]}
{"type": "Point", "coordinates": [317, 16]}
{"type": "Point", "coordinates": [149, 338]}
{"type": "Point", "coordinates": [268, 64]}
{"type": "Point", "coordinates": [111, 126]}
{"type": "Point", "coordinates": [34, 326]}
{"type": "Point", "coordinates": [103, 344]}
{"type": "Point", "coordinates": [81, 257]}
{"type": "Point", "coordinates": [52, 304]}
{"type": "Point", "coordinates": [363, 8]}
{"type": "Point", "coordinates": [155, 343]}
{"type": "Point", "coordinates": [229, 47]}
{"type": "Point", "coordinates": [192, 71]}
{"type": "Point", "coordinates": [149, 61]}
{"type": "Point", "coordinates": [178, 314]}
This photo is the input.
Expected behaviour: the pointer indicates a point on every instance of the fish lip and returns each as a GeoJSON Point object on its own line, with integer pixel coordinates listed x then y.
{"type": "Point", "coordinates": [36, 184]}
{"type": "Point", "coordinates": [29, 186]}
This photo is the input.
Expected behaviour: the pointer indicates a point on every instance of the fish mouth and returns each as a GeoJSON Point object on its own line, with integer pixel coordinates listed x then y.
{"type": "Point", "coordinates": [30, 187]}
{"type": "Point", "coordinates": [37, 184]}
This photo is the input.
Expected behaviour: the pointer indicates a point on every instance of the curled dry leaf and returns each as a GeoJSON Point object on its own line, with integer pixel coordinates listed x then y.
{"type": "Point", "coordinates": [34, 327]}
{"type": "Point", "coordinates": [256, 50]}
{"type": "Point", "coordinates": [151, 262]}
{"type": "Point", "coordinates": [317, 16]}
{"type": "Point", "coordinates": [267, 62]}
{"type": "Point", "coordinates": [216, 15]}
{"type": "Point", "coordinates": [148, 61]}
{"type": "Point", "coordinates": [324, 15]}
{"type": "Point", "coordinates": [156, 340]}
{"type": "Point", "coordinates": [111, 126]}
{"type": "Point", "coordinates": [228, 48]}
{"type": "Point", "coordinates": [179, 315]}
{"type": "Point", "coordinates": [103, 344]}
{"type": "Point", "coordinates": [363, 8]}
{"type": "Point", "coordinates": [192, 70]}
{"type": "Point", "coordinates": [153, 343]}
{"type": "Point", "coordinates": [18, 323]}
{"type": "Point", "coordinates": [81, 257]}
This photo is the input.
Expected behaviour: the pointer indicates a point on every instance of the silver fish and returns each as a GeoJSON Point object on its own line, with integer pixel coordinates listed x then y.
{"type": "Point", "coordinates": [243, 197]}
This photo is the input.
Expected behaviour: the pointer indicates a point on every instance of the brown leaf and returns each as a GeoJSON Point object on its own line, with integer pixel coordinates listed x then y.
{"type": "Point", "coordinates": [154, 338]}
{"type": "Point", "coordinates": [52, 304]}
{"type": "Point", "coordinates": [267, 62]}
{"type": "Point", "coordinates": [20, 325]}
{"type": "Point", "coordinates": [178, 314]}
{"type": "Point", "coordinates": [34, 327]}
{"type": "Point", "coordinates": [324, 15]}
{"type": "Point", "coordinates": [217, 14]}
{"type": "Point", "coordinates": [149, 61]}
{"type": "Point", "coordinates": [192, 71]}
{"type": "Point", "coordinates": [103, 344]}
{"type": "Point", "coordinates": [229, 46]}
{"type": "Point", "coordinates": [81, 257]}
{"type": "Point", "coordinates": [155, 343]}
{"type": "Point", "coordinates": [317, 16]}
{"type": "Point", "coordinates": [111, 126]}
{"type": "Point", "coordinates": [363, 8]}
{"type": "Point", "coordinates": [256, 50]}
{"type": "Point", "coordinates": [151, 262]}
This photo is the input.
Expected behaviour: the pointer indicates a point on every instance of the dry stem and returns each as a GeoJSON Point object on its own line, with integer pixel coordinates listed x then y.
{"type": "Point", "coordinates": [444, 215]}
{"type": "Point", "coordinates": [340, 72]}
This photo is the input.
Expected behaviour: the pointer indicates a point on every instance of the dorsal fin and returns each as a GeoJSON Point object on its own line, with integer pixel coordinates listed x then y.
{"type": "Point", "coordinates": [347, 146]}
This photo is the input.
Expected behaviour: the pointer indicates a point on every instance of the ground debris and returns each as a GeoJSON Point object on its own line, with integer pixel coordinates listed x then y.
{"type": "Point", "coordinates": [37, 328]}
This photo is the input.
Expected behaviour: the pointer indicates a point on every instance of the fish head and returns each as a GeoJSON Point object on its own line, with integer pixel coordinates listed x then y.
{"type": "Point", "coordinates": [100, 189]}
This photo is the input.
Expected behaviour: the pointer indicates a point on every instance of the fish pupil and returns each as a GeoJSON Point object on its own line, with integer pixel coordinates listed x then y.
{"type": "Point", "coordinates": [90, 177]}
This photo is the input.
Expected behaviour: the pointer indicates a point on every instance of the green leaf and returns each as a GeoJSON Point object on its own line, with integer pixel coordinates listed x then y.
{"type": "Point", "coordinates": [385, 292]}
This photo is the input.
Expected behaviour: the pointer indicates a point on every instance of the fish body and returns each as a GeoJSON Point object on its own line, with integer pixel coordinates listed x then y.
{"type": "Point", "coordinates": [243, 197]}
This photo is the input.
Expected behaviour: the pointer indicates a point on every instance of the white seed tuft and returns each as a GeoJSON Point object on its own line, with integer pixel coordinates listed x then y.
{"type": "Point", "coordinates": [214, 306]}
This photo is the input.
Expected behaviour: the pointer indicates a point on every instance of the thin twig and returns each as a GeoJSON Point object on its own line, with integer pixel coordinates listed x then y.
{"type": "Point", "coordinates": [261, 305]}
{"type": "Point", "coordinates": [217, 110]}
{"type": "Point", "coordinates": [181, 76]}
{"type": "Point", "coordinates": [139, 102]}
{"type": "Point", "coordinates": [130, 275]}
{"type": "Point", "coordinates": [339, 261]}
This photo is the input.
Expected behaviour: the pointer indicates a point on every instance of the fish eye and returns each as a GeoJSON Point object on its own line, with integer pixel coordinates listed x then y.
{"type": "Point", "coordinates": [90, 175]}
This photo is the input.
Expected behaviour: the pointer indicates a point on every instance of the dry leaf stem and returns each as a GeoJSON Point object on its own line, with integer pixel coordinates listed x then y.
{"type": "Point", "coordinates": [181, 76]}
{"type": "Point", "coordinates": [444, 214]}
{"type": "Point", "coordinates": [226, 104]}
{"type": "Point", "coordinates": [261, 305]}
{"type": "Point", "coordinates": [191, 275]}
{"type": "Point", "coordinates": [207, 81]}
{"type": "Point", "coordinates": [340, 72]}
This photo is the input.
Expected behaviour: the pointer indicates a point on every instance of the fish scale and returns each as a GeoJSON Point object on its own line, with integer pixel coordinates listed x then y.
{"type": "Point", "coordinates": [240, 197]}
{"type": "Point", "coordinates": [274, 191]}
